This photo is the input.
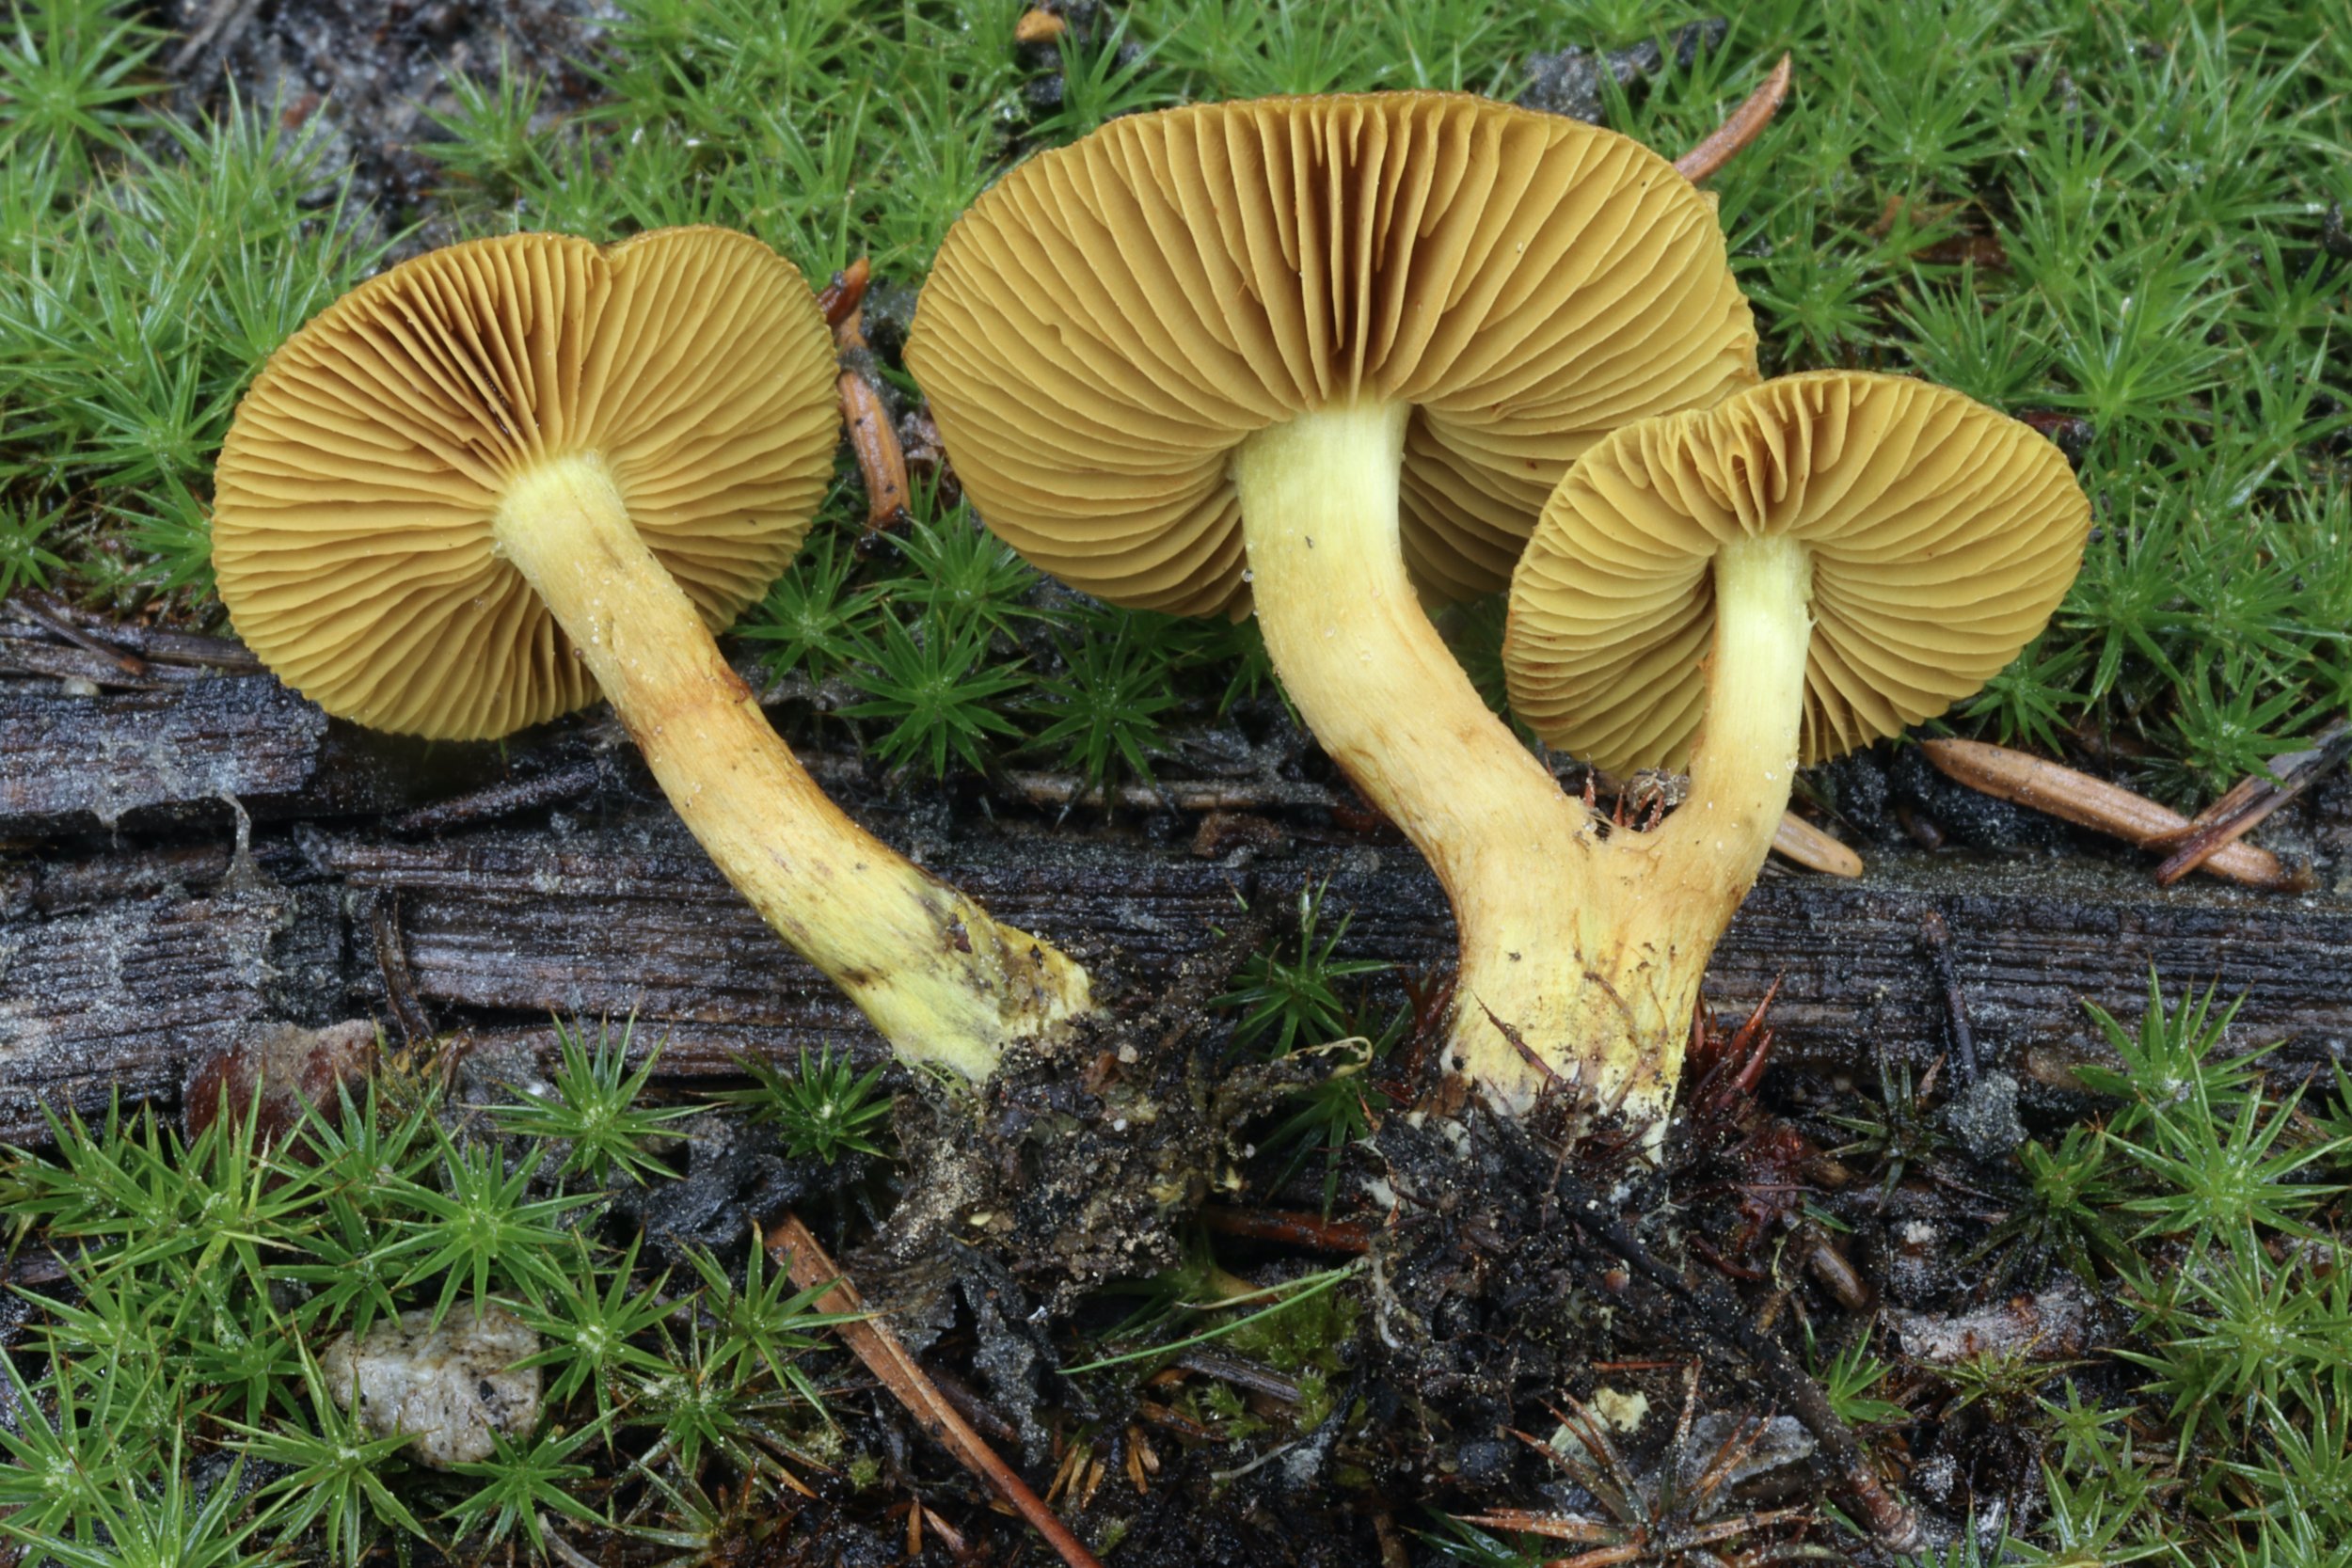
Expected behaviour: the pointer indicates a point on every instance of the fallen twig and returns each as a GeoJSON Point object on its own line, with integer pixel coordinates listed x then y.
{"type": "Point", "coordinates": [46, 613]}
{"type": "Point", "coordinates": [2242, 809]}
{"type": "Point", "coordinates": [223, 19]}
{"type": "Point", "coordinates": [973, 1408]}
{"type": "Point", "coordinates": [1796, 839]}
{"type": "Point", "coordinates": [27, 656]}
{"type": "Point", "coordinates": [1937, 938]}
{"type": "Point", "coordinates": [159, 645]}
{"type": "Point", "coordinates": [553, 787]}
{"type": "Point", "coordinates": [1307, 1231]}
{"type": "Point", "coordinates": [562, 1550]}
{"type": "Point", "coordinates": [2088, 803]}
{"type": "Point", "coordinates": [391, 964]}
{"type": "Point", "coordinates": [1746, 124]}
{"type": "Point", "coordinates": [111, 637]}
{"type": "Point", "coordinates": [873, 1342]}
{"type": "Point", "coordinates": [1239, 1371]}
{"type": "Point", "coordinates": [1062, 790]}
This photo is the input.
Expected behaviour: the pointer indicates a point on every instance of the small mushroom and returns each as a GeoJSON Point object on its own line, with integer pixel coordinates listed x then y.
{"type": "Point", "coordinates": [1321, 356]}
{"type": "Point", "coordinates": [510, 474]}
{"type": "Point", "coordinates": [1813, 563]}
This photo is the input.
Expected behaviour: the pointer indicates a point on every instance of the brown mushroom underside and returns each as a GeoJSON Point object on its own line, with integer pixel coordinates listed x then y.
{"type": "Point", "coordinates": [1114, 318]}
{"type": "Point", "coordinates": [356, 493]}
{"type": "Point", "coordinates": [1941, 534]}
{"type": "Point", "coordinates": [505, 476]}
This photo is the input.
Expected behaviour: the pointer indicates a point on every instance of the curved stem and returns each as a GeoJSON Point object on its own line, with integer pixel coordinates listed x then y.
{"type": "Point", "coordinates": [942, 981]}
{"type": "Point", "coordinates": [1676, 888]}
{"type": "Point", "coordinates": [1745, 759]}
{"type": "Point", "coordinates": [1386, 700]}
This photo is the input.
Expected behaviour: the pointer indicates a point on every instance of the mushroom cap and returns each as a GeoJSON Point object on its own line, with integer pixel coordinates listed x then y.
{"type": "Point", "coordinates": [355, 494]}
{"type": "Point", "coordinates": [1942, 537]}
{"type": "Point", "coordinates": [1112, 318]}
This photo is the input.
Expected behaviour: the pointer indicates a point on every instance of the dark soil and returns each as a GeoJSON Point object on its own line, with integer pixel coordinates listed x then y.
{"type": "Point", "coordinates": [371, 71]}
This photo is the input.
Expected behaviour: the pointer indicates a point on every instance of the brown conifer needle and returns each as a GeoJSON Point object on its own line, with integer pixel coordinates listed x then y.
{"type": "Point", "coordinates": [1746, 123]}
{"type": "Point", "coordinates": [1798, 839]}
{"type": "Point", "coordinates": [882, 462]}
{"type": "Point", "coordinates": [2238, 813]}
{"type": "Point", "coordinates": [873, 1342]}
{"type": "Point", "coordinates": [2088, 803]}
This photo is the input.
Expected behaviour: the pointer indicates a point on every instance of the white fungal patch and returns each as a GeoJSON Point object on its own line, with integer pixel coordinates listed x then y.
{"type": "Point", "coordinates": [449, 1387]}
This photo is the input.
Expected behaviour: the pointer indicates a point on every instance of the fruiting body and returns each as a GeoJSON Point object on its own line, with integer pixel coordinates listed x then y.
{"type": "Point", "coordinates": [1811, 565]}
{"type": "Point", "coordinates": [511, 474]}
{"type": "Point", "coordinates": [1323, 355]}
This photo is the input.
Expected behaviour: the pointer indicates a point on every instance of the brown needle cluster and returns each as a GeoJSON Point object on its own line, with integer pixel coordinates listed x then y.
{"type": "Point", "coordinates": [2209, 845]}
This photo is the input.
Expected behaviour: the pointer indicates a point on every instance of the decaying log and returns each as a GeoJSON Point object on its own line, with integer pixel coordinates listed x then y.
{"type": "Point", "coordinates": [188, 747]}
{"type": "Point", "coordinates": [109, 754]}
{"type": "Point", "coordinates": [115, 971]}
{"type": "Point", "coordinates": [129, 951]}
{"type": "Point", "coordinates": [128, 996]}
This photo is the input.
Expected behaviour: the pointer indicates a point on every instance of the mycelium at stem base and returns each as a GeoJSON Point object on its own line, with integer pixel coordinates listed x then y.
{"type": "Point", "coordinates": [940, 979]}
{"type": "Point", "coordinates": [1386, 700]}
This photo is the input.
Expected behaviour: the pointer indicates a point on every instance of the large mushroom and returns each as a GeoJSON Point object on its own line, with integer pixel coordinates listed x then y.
{"type": "Point", "coordinates": [509, 475]}
{"type": "Point", "coordinates": [1320, 357]}
{"type": "Point", "coordinates": [1813, 563]}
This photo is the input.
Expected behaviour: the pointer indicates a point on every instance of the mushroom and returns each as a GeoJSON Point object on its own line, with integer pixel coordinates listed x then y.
{"type": "Point", "coordinates": [507, 475]}
{"type": "Point", "coordinates": [1814, 563]}
{"type": "Point", "coordinates": [1321, 356]}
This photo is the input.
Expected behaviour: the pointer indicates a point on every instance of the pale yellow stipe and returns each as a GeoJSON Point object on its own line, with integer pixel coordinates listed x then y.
{"type": "Point", "coordinates": [1646, 909]}
{"type": "Point", "coordinates": [941, 980]}
{"type": "Point", "coordinates": [1567, 942]}
{"type": "Point", "coordinates": [1385, 697]}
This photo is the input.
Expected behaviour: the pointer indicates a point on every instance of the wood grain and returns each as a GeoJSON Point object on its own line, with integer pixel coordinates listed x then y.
{"type": "Point", "coordinates": [125, 957]}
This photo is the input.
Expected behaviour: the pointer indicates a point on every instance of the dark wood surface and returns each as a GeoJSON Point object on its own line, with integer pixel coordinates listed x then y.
{"type": "Point", "coordinates": [135, 936]}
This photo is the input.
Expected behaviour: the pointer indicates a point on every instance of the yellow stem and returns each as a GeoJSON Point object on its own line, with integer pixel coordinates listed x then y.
{"type": "Point", "coordinates": [942, 981]}
{"type": "Point", "coordinates": [1581, 959]}
{"type": "Point", "coordinates": [1386, 700]}
{"type": "Point", "coordinates": [1666, 896]}
{"type": "Point", "coordinates": [1745, 759]}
